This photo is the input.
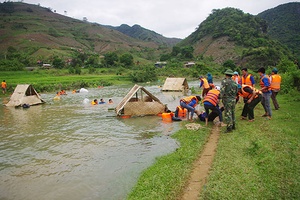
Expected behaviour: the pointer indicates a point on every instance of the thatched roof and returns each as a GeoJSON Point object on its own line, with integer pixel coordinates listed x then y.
{"type": "Point", "coordinates": [139, 101]}
{"type": "Point", "coordinates": [175, 84]}
{"type": "Point", "coordinates": [25, 94]}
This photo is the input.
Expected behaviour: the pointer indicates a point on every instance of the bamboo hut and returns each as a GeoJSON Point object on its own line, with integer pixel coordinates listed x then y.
{"type": "Point", "coordinates": [175, 85]}
{"type": "Point", "coordinates": [24, 94]}
{"type": "Point", "coordinates": [139, 101]}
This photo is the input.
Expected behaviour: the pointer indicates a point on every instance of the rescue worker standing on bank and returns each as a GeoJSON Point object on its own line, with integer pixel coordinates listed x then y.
{"type": "Point", "coordinates": [3, 86]}
{"type": "Point", "coordinates": [236, 78]}
{"type": "Point", "coordinates": [210, 80]}
{"type": "Point", "coordinates": [247, 79]}
{"type": "Point", "coordinates": [266, 90]}
{"type": "Point", "coordinates": [275, 80]}
{"type": "Point", "coordinates": [228, 94]}
{"type": "Point", "coordinates": [205, 85]}
{"type": "Point", "coordinates": [251, 97]}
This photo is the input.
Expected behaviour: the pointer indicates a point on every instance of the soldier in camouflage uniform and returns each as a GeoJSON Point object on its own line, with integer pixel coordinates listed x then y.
{"type": "Point", "coordinates": [229, 91]}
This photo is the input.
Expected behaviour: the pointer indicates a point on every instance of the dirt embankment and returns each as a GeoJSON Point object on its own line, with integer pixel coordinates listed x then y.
{"type": "Point", "coordinates": [202, 167]}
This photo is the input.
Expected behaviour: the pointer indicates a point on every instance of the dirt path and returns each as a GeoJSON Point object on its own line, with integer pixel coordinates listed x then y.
{"type": "Point", "coordinates": [202, 166]}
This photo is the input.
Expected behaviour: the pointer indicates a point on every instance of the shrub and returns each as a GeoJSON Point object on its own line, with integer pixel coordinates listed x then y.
{"type": "Point", "coordinates": [11, 65]}
{"type": "Point", "coordinates": [144, 75]}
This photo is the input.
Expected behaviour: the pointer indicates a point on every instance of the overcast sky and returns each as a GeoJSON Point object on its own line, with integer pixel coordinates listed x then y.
{"type": "Point", "coordinates": [171, 18]}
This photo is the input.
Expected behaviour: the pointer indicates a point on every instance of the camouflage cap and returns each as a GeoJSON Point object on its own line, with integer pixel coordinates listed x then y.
{"type": "Point", "coordinates": [229, 72]}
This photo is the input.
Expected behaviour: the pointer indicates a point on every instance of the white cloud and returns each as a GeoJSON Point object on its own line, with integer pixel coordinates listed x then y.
{"type": "Point", "coordinates": [171, 18]}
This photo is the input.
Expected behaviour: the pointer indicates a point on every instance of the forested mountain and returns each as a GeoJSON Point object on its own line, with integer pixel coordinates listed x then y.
{"type": "Point", "coordinates": [31, 32]}
{"type": "Point", "coordinates": [138, 32]}
{"type": "Point", "coordinates": [231, 34]}
{"type": "Point", "coordinates": [284, 25]}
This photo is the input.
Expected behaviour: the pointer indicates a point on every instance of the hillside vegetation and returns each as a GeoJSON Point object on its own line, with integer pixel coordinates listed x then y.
{"type": "Point", "coordinates": [231, 34]}
{"type": "Point", "coordinates": [38, 33]}
{"type": "Point", "coordinates": [283, 25]}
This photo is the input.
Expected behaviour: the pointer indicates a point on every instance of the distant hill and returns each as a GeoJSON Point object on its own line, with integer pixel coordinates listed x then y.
{"type": "Point", "coordinates": [138, 32]}
{"type": "Point", "coordinates": [231, 34]}
{"type": "Point", "coordinates": [39, 32]}
{"type": "Point", "coordinates": [284, 24]}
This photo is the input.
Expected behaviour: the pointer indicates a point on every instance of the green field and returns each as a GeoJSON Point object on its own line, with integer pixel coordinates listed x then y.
{"type": "Point", "coordinates": [53, 80]}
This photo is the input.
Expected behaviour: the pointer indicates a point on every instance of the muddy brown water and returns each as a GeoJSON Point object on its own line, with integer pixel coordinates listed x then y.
{"type": "Point", "coordinates": [68, 149]}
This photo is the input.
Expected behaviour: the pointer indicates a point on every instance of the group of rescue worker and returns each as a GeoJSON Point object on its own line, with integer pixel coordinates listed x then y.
{"type": "Point", "coordinates": [233, 86]}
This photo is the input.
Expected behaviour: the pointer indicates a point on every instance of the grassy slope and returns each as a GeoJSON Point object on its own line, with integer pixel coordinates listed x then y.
{"type": "Point", "coordinates": [260, 160]}
{"type": "Point", "coordinates": [42, 34]}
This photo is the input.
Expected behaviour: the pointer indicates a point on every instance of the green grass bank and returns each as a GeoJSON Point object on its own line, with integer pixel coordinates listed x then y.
{"type": "Point", "coordinates": [54, 80]}
{"type": "Point", "coordinates": [259, 160]}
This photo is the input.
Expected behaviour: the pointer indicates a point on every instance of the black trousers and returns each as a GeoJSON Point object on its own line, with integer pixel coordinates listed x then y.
{"type": "Point", "coordinates": [248, 109]}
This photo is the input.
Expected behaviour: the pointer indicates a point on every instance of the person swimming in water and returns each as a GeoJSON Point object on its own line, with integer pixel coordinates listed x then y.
{"type": "Point", "coordinates": [94, 102]}
{"type": "Point", "coordinates": [101, 101]}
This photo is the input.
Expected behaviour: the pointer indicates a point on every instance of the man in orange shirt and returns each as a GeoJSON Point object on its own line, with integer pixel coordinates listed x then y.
{"type": "Point", "coordinates": [3, 86]}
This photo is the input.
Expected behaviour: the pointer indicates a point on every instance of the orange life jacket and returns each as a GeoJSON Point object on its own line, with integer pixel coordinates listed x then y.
{"type": "Point", "coordinates": [205, 83]}
{"type": "Point", "coordinates": [247, 80]}
{"type": "Point", "coordinates": [248, 95]}
{"type": "Point", "coordinates": [62, 92]}
{"type": "Point", "coordinates": [188, 100]}
{"type": "Point", "coordinates": [181, 111]}
{"type": "Point", "coordinates": [236, 79]}
{"type": "Point", "coordinates": [212, 96]}
{"type": "Point", "coordinates": [262, 85]}
{"type": "Point", "coordinates": [275, 82]}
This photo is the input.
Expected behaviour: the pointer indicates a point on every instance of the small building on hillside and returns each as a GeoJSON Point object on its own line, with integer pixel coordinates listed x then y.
{"type": "Point", "coordinates": [175, 85]}
{"type": "Point", "coordinates": [46, 66]}
{"type": "Point", "coordinates": [160, 64]}
{"type": "Point", "coordinates": [139, 101]}
{"type": "Point", "coordinates": [24, 94]}
{"type": "Point", "coordinates": [189, 64]}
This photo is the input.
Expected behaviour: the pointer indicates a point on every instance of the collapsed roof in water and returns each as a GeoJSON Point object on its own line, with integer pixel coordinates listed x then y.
{"type": "Point", "coordinates": [139, 101]}
{"type": "Point", "coordinates": [24, 94]}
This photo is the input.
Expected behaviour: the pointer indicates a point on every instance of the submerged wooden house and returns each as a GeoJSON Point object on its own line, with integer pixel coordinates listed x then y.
{"type": "Point", "coordinates": [175, 85]}
{"type": "Point", "coordinates": [25, 94]}
{"type": "Point", "coordinates": [138, 102]}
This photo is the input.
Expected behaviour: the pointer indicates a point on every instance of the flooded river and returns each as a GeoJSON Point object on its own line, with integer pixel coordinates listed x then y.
{"type": "Point", "coordinates": [70, 150]}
